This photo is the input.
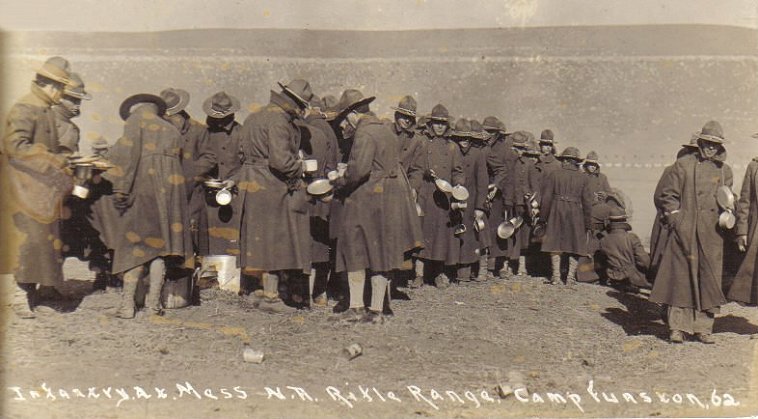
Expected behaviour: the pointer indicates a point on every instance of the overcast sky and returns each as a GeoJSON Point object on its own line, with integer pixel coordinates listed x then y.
{"type": "Point", "coordinates": [154, 15]}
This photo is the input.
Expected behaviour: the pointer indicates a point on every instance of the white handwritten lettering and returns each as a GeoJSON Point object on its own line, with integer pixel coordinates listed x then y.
{"type": "Point", "coordinates": [188, 390]}
{"type": "Point", "coordinates": [416, 393]}
{"type": "Point", "coordinates": [336, 395]}
{"type": "Point", "coordinates": [19, 395]}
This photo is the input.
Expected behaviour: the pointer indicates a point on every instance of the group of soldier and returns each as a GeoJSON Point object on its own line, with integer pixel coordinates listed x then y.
{"type": "Point", "coordinates": [326, 195]}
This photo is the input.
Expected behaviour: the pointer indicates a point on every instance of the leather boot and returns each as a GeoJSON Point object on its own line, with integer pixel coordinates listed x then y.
{"type": "Point", "coordinates": [157, 277]}
{"type": "Point", "coordinates": [23, 300]}
{"type": "Point", "coordinates": [483, 259]}
{"type": "Point", "coordinates": [522, 266]}
{"type": "Point", "coordinates": [571, 276]}
{"type": "Point", "coordinates": [131, 279]}
{"type": "Point", "coordinates": [555, 264]}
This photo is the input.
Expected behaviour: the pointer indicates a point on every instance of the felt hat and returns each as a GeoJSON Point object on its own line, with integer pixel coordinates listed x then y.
{"type": "Point", "coordinates": [407, 106]}
{"type": "Point", "coordinates": [221, 105]}
{"type": "Point", "coordinates": [176, 100]}
{"type": "Point", "coordinates": [75, 88]}
{"type": "Point", "coordinates": [126, 106]}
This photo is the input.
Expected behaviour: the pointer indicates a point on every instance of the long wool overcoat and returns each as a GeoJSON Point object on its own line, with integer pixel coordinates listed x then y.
{"type": "Point", "coordinates": [33, 187]}
{"type": "Point", "coordinates": [379, 220]}
{"type": "Point", "coordinates": [275, 233]}
{"type": "Point", "coordinates": [499, 162]}
{"type": "Point", "coordinates": [438, 223]}
{"type": "Point", "coordinates": [477, 180]}
{"type": "Point", "coordinates": [689, 274]}
{"type": "Point", "coordinates": [316, 143]}
{"type": "Point", "coordinates": [745, 285]}
{"type": "Point", "coordinates": [566, 202]}
{"type": "Point", "coordinates": [147, 167]}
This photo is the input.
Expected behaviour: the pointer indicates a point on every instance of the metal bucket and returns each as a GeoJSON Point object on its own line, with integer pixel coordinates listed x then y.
{"type": "Point", "coordinates": [226, 267]}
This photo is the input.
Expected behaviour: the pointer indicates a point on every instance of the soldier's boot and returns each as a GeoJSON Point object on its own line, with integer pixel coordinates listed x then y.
{"type": "Point", "coordinates": [271, 302]}
{"type": "Point", "coordinates": [23, 300]}
{"type": "Point", "coordinates": [311, 286]}
{"type": "Point", "coordinates": [418, 281]}
{"type": "Point", "coordinates": [464, 273]}
{"type": "Point", "coordinates": [555, 264]}
{"type": "Point", "coordinates": [571, 276]}
{"type": "Point", "coordinates": [101, 282]}
{"type": "Point", "coordinates": [379, 286]}
{"type": "Point", "coordinates": [522, 266]}
{"type": "Point", "coordinates": [157, 278]}
{"type": "Point", "coordinates": [506, 272]}
{"type": "Point", "coordinates": [128, 291]}
{"type": "Point", "coordinates": [483, 259]}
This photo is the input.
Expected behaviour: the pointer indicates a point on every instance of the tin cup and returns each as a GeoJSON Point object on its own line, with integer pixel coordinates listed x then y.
{"type": "Point", "coordinates": [353, 351]}
{"type": "Point", "coordinates": [311, 165]}
{"type": "Point", "coordinates": [478, 225]}
{"type": "Point", "coordinates": [80, 191]}
{"type": "Point", "coordinates": [224, 197]}
{"type": "Point", "coordinates": [252, 356]}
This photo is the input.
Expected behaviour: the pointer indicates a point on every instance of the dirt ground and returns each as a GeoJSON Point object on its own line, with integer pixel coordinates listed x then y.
{"type": "Point", "coordinates": [443, 354]}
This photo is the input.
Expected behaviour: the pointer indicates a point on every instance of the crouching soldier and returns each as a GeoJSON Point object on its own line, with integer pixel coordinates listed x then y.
{"type": "Point", "coordinates": [626, 259]}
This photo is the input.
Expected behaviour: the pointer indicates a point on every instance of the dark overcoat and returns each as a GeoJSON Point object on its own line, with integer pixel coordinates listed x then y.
{"type": "Point", "coordinates": [745, 285]}
{"type": "Point", "coordinates": [598, 182]}
{"type": "Point", "coordinates": [224, 220]}
{"type": "Point", "coordinates": [197, 163]}
{"type": "Point", "coordinates": [566, 202]}
{"type": "Point", "coordinates": [548, 164]}
{"type": "Point", "coordinates": [438, 223]}
{"type": "Point", "coordinates": [33, 186]}
{"type": "Point", "coordinates": [147, 166]}
{"type": "Point", "coordinates": [477, 180]}
{"type": "Point", "coordinates": [499, 162]}
{"type": "Point", "coordinates": [409, 145]}
{"type": "Point", "coordinates": [379, 222]}
{"type": "Point", "coordinates": [275, 232]}
{"type": "Point", "coordinates": [689, 274]}
{"type": "Point", "coordinates": [317, 144]}
{"type": "Point", "coordinates": [523, 179]}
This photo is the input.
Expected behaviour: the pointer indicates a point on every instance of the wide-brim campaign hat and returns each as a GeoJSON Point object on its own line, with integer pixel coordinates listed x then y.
{"type": "Point", "coordinates": [571, 153]}
{"type": "Point", "coordinates": [298, 89]}
{"type": "Point", "coordinates": [462, 128]}
{"type": "Point", "coordinates": [176, 100]}
{"type": "Point", "coordinates": [439, 113]}
{"type": "Point", "coordinates": [56, 69]}
{"type": "Point", "coordinates": [693, 142]}
{"type": "Point", "coordinates": [75, 88]}
{"type": "Point", "coordinates": [547, 137]}
{"type": "Point", "coordinates": [407, 106]}
{"type": "Point", "coordinates": [711, 132]}
{"type": "Point", "coordinates": [592, 158]}
{"type": "Point", "coordinates": [351, 100]}
{"type": "Point", "coordinates": [221, 105]}
{"type": "Point", "coordinates": [492, 123]}
{"type": "Point", "coordinates": [126, 106]}
{"type": "Point", "coordinates": [477, 131]}
{"type": "Point", "coordinates": [520, 139]}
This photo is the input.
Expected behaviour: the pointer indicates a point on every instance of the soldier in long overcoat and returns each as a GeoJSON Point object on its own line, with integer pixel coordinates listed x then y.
{"type": "Point", "coordinates": [275, 230]}
{"type": "Point", "coordinates": [318, 142]}
{"type": "Point", "coordinates": [521, 181]}
{"type": "Point", "coordinates": [149, 193]}
{"type": "Point", "coordinates": [566, 203]}
{"type": "Point", "coordinates": [598, 183]}
{"type": "Point", "coordinates": [224, 142]}
{"type": "Point", "coordinates": [35, 179]}
{"type": "Point", "coordinates": [499, 155]}
{"type": "Point", "coordinates": [474, 164]}
{"type": "Point", "coordinates": [745, 285]}
{"type": "Point", "coordinates": [439, 158]}
{"type": "Point", "coordinates": [378, 219]}
{"type": "Point", "coordinates": [197, 162]}
{"type": "Point", "coordinates": [688, 280]}
{"type": "Point", "coordinates": [660, 233]}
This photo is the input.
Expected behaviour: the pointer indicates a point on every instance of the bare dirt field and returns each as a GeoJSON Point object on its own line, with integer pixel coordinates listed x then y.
{"type": "Point", "coordinates": [443, 354]}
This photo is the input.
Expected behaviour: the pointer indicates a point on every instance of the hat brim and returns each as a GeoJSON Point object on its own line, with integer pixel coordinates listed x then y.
{"type": "Point", "coordinates": [126, 106]}
{"type": "Point", "coordinates": [404, 111]}
{"type": "Point", "coordinates": [591, 162]}
{"type": "Point", "coordinates": [79, 95]}
{"type": "Point", "coordinates": [184, 99]}
{"type": "Point", "coordinates": [619, 224]}
{"type": "Point", "coordinates": [208, 108]}
{"type": "Point", "coordinates": [294, 95]}
{"type": "Point", "coordinates": [710, 138]}
{"type": "Point", "coordinates": [54, 77]}
{"type": "Point", "coordinates": [578, 159]}
{"type": "Point", "coordinates": [439, 119]}
{"type": "Point", "coordinates": [353, 106]}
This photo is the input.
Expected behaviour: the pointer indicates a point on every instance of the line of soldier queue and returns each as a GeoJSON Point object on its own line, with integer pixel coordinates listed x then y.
{"type": "Point", "coordinates": [310, 194]}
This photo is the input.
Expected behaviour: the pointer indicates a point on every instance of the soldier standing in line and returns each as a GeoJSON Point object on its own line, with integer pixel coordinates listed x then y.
{"type": "Point", "coordinates": [196, 163]}
{"type": "Point", "coordinates": [223, 146]}
{"type": "Point", "coordinates": [36, 178]}
{"type": "Point", "coordinates": [440, 159]}
{"type": "Point", "coordinates": [566, 203]}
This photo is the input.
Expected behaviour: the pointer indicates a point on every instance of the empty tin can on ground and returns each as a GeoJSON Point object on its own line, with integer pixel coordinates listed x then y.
{"type": "Point", "coordinates": [253, 356]}
{"type": "Point", "coordinates": [353, 351]}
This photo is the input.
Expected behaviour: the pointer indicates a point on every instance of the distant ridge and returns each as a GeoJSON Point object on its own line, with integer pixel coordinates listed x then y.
{"type": "Point", "coordinates": [644, 40]}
